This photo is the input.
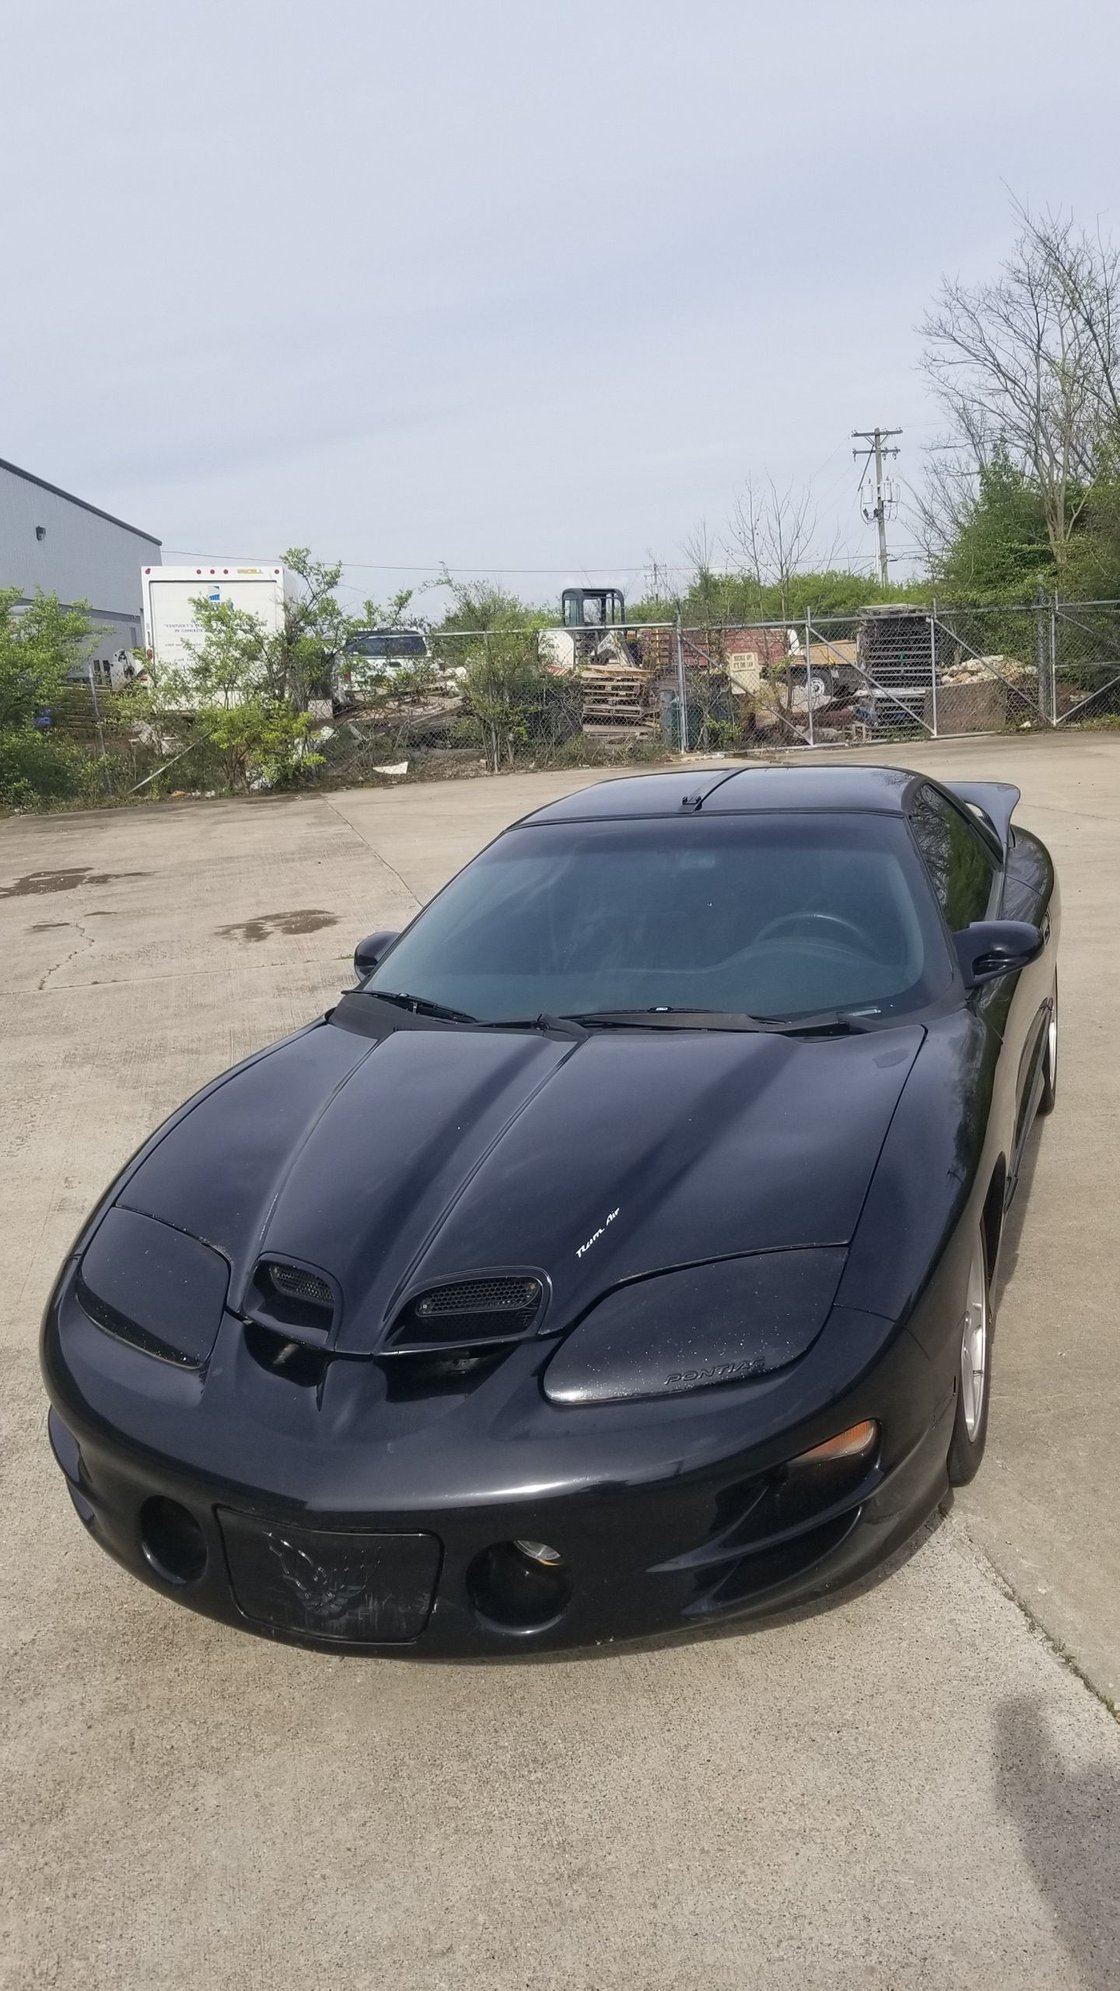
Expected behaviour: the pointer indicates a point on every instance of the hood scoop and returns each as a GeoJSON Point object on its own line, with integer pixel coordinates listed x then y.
{"type": "Point", "coordinates": [444, 1339]}
{"type": "Point", "coordinates": [468, 1313]}
{"type": "Point", "coordinates": [293, 1300]}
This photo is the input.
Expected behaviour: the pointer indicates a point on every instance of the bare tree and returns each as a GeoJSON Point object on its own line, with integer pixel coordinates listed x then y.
{"type": "Point", "coordinates": [1084, 269]}
{"type": "Point", "coordinates": [1027, 365]}
{"type": "Point", "coordinates": [938, 511]}
{"type": "Point", "coordinates": [708, 585]}
{"type": "Point", "coordinates": [774, 531]}
{"type": "Point", "coordinates": [701, 551]}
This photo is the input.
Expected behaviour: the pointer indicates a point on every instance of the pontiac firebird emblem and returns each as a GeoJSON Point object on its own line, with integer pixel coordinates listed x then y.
{"type": "Point", "coordinates": [323, 1593]}
{"type": "Point", "coordinates": [596, 1235]}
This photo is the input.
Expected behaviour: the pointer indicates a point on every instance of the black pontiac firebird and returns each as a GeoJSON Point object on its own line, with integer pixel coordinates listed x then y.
{"type": "Point", "coordinates": [616, 1257]}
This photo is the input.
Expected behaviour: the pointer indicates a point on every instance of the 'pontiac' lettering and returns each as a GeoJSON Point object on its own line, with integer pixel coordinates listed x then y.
{"type": "Point", "coordinates": [723, 1372]}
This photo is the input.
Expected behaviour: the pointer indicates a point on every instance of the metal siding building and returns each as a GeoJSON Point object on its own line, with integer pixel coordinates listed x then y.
{"type": "Point", "coordinates": [53, 541]}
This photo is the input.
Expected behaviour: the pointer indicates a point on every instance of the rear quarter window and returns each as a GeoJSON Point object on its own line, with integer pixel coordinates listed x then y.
{"type": "Point", "coordinates": [962, 869]}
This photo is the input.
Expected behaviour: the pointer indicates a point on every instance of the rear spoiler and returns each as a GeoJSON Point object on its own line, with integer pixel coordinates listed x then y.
{"type": "Point", "coordinates": [993, 800]}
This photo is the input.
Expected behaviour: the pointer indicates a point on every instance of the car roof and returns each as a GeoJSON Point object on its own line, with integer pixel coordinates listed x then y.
{"type": "Point", "coordinates": [394, 629]}
{"type": "Point", "coordinates": [733, 791]}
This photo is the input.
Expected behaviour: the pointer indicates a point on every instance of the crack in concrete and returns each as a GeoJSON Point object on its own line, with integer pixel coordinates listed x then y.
{"type": "Point", "coordinates": [379, 854]}
{"type": "Point", "coordinates": [1060, 1650]}
{"type": "Point", "coordinates": [88, 938]}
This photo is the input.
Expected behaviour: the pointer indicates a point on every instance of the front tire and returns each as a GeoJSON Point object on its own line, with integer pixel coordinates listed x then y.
{"type": "Point", "coordinates": [1049, 1097]}
{"type": "Point", "coordinates": [970, 1426]}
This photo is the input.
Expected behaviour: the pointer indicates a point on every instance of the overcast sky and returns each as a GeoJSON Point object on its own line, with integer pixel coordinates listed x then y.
{"type": "Point", "coordinates": [525, 288]}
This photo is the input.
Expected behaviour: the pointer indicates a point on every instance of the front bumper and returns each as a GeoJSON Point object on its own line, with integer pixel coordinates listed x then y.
{"type": "Point", "coordinates": [303, 1516]}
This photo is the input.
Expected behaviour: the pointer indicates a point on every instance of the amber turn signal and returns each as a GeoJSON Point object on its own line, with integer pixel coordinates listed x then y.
{"type": "Point", "coordinates": [857, 1442]}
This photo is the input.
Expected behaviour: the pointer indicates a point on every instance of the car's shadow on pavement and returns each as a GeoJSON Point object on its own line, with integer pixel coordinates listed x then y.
{"type": "Point", "coordinates": [1069, 1827]}
{"type": "Point", "coordinates": [1068, 1820]}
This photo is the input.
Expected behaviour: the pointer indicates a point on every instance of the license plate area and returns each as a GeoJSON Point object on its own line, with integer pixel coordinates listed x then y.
{"type": "Point", "coordinates": [362, 1589]}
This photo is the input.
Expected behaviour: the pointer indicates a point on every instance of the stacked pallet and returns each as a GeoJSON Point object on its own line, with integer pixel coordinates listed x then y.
{"type": "Point", "coordinates": [616, 700]}
{"type": "Point", "coordinates": [656, 649]}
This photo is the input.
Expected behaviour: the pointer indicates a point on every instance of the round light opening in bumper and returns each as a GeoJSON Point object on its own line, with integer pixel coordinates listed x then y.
{"type": "Point", "coordinates": [857, 1442]}
{"type": "Point", "coordinates": [173, 1543]}
{"type": "Point", "coordinates": [516, 1590]}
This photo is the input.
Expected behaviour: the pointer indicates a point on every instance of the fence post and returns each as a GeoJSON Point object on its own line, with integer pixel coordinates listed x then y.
{"type": "Point", "coordinates": [682, 689]}
{"type": "Point", "coordinates": [809, 672]}
{"type": "Point", "coordinates": [1054, 659]}
{"type": "Point", "coordinates": [1044, 703]}
{"type": "Point", "coordinates": [933, 667]}
{"type": "Point", "coordinates": [100, 728]}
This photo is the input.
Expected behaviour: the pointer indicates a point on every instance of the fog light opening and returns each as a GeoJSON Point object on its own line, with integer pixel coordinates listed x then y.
{"type": "Point", "coordinates": [173, 1543]}
{"type": "Point", "coordinates": [519, 1586]}
{"type": "Point", "coordinates": [857, 1442]}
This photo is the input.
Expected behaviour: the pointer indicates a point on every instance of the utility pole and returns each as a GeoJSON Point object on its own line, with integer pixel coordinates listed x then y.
{"type": "Point", "coordinates": [885, 500]}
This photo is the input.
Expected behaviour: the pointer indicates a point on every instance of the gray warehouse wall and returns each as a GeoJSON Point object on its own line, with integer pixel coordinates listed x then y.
{"type": "Point", "coordinates": [83, 555]}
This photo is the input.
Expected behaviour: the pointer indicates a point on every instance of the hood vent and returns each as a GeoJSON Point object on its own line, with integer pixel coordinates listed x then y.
{"type": "Point", "coordinates": [293, 1283]}
{"type": "Point", "coordinates": [469, 1312]}
{"type": "Point", "coordinates": [293, 1299]}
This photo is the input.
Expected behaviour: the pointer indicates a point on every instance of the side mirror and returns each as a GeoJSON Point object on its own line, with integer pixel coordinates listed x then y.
{"type": "Point", "coordinates": [994, 947]}
{"type": "Point", "coordinates": [370, 951]}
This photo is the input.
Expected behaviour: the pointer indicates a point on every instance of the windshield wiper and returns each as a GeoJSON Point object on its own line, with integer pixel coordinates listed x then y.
{"type": "Point", "coordinates": [659, 1017]}
{"type": "Point", "coordinates": [421, 1006]}
{"type": "Point", "coordinates": [549, 1026]}
{"type": "Point", "coordinates": [826, 1023]}
{"type": "Point", "coordinates": [663, 1017]}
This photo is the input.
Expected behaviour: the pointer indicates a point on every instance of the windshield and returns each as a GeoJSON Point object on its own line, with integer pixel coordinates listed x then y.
{"type": "Point", "coordinates": [391, 646]}
{"type": "Point", "coordinates": [772, 915]}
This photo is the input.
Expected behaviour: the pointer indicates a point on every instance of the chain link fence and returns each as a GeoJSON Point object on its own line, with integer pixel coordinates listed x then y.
{"type": "Point", "coordinates": [646, 691]}
{"type": "Point", "coordinates": [629, 692]}
{"type": "Point", "coordinates": [889, 673]}
{"type": "Point", "coordinates": [1085, 652]}
{"type": "Point", "coordinates": [485, 701]}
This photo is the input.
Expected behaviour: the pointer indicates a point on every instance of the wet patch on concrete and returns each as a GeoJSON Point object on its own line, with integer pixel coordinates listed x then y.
{"type": "Point", "coordinates": [307, 920]}
{"type": "Point", "coordinates": [36, 882]}
{"type": "Point", "coordinates": [45, 881]}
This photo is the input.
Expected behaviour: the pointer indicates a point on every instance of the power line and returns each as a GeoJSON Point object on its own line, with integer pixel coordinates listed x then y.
{"type": "Point", "coordinates": [426, 567]}
{"type": "Point", "coordinates": [885, 498]}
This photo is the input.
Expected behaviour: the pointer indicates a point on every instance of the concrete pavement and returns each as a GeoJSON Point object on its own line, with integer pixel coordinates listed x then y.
{"type": "Point", "coordinates": [911, 1789]}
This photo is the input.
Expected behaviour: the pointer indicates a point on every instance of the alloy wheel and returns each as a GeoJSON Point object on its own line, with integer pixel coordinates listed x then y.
{"type": "Point", "coordinates": [974, 1345]}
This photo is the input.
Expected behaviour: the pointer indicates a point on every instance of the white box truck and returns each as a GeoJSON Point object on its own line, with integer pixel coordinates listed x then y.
{"type": "Point", "coordinates": [170, 619]}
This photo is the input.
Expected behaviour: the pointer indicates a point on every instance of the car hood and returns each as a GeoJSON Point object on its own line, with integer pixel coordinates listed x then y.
{"type": "Point", "coordinates": [431, 1153]}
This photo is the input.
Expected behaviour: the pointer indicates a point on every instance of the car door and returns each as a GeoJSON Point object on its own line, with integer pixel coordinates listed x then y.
{"type": "Point", "coordinates": [968, 875]}
{"type": "Point", "coordinates": [1031, 893]}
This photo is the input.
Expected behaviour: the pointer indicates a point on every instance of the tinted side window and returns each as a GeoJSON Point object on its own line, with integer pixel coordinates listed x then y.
{"type": "Point", "coordinates": [960, 865]}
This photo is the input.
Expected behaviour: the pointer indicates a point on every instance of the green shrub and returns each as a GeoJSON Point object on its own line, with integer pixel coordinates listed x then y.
{"type": "Point", "coordinates": [38, 767]}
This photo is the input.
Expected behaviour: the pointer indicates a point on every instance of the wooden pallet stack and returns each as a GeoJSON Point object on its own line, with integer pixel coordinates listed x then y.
{"type": "Point", "coordinates": [616, 700]}
{"type": "Point", "coordinates": [656, 649]}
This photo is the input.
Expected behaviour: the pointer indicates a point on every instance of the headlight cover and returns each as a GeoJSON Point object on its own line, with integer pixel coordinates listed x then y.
{"type": "Point", "coordinates": [686, 1330]}
{"type": "Point", "coordinates": [153, 1287]}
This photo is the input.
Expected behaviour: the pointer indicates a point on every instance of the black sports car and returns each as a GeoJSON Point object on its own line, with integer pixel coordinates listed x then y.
{"type": "Point", "coordinates": [616, 1257]}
